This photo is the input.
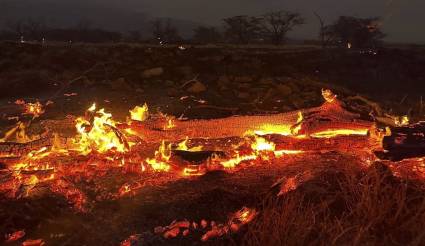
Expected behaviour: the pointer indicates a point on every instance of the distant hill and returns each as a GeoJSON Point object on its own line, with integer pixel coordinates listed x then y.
{"type": "Point", "coordinates": [67, 13]}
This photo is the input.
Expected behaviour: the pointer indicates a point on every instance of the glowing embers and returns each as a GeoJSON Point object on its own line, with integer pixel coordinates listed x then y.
{"type": "Point", "coordinates": [18, 133]}
{"type": "Point", "coordinates": [401, 121]}
{"type": "Point", "coordinates": [340, 132]}
{"type": "Point", "coordinates": [100, 135]}
{"type": "Point", "coordinates": [35, 109]}
{"type": "Point", "coordinates": [281, 129]}
{"type": "Point", "coordinates": [162, 156]}
{"type": "Point", "coordinates": [252, 149]}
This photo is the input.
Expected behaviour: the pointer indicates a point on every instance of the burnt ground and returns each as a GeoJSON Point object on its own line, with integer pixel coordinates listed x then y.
{"type": "Point", "coordinates": [230, 81]}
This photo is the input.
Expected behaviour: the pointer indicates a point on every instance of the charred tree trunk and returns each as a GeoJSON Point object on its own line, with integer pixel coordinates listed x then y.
{"type": "Point", "coordinates": [405, 142]}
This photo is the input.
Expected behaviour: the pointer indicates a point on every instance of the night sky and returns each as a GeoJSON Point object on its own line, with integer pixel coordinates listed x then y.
{"type": "Point", "coordinates": [403, 20]}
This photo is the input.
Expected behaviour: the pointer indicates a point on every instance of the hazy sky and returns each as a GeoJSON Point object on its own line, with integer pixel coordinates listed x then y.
{"type": "Point", "coordinates": [403, 20]}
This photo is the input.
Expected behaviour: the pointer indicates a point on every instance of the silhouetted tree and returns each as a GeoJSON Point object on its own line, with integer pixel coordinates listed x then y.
{"type": "Point", "coordinates": [355, 32]}
{"type": "Point", "coordinates": [242, 29]}
{"type": "Point", "coordinates": [275, 25]}
{"type": "Point", "coordinates": [204, 34]}
{"type": "Point", "coordinates": [164, 31]}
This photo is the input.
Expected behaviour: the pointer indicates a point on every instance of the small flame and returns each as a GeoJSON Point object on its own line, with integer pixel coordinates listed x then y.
{"type": "Point", "coordinates": [140, 113]}
{"type": "Point", "coordinates": [328, 95]}
{"type": "Point", "coordinates": [92, 108]}
{"type": "Point", "coordinates": [162, 156]}
{"type": "Point", "coordinates": [183, 146]}
{"type": "Point", "coordinates": [170, 123]}
{"type": "Point", "coordinates": [402, 121]}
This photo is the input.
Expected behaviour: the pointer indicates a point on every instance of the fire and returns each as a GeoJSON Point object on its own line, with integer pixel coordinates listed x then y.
{"type": "Point", "coordinates": [244, 216]}
{"type": "Point", "coordinates": [101, 135]}
{"type": "Point", "coordinates": [170, 123]}
{"type": "Point", "coordinates": [262, 144]}
{"type": "Point", "coordinates": [340, 132]}
{"type": "Point", "coordinates": [402, 121]}
{"type": "Point", "coordinates": [162, 156]}
{"type": "Point", "coordinates": [328, 95]}
{"type": "Point", "coordinates": [183, 146]}
{"type": "Point", "coordinates": [36, 109]}
{"type": "Point", "coordinates": [139, 113]}
{"type": "Point", "coordinates": [19, 131]}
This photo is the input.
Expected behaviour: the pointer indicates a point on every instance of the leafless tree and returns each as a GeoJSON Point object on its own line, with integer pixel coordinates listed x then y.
{"type": "Point", "coordinates": [277, 24]}
{"type": "Point", "coordinates": [242, 29]}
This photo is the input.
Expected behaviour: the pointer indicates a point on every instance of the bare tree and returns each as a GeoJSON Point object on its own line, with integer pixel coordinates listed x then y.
{"type": "Point", "coordinates": [242, 29]}
{"type": "Point", "coordinates": [275, 25]}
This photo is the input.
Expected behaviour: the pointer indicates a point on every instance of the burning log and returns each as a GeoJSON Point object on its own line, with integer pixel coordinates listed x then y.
{"type": "Point", "coordinates": [329, 118]}
{"type": "Point", "coordinates": [405, 142]}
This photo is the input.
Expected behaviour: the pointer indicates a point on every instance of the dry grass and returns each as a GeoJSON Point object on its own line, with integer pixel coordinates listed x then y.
{"type": "Point", "coordinates": [344, 207]}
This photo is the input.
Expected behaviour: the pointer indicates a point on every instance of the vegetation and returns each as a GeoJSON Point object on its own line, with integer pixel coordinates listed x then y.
{"type": "Point", "coordinates": [275, 25]}
{"type": "Point", "coordinates": [345, 206]}
{"type": "Point", "coordinates": [357, 32]}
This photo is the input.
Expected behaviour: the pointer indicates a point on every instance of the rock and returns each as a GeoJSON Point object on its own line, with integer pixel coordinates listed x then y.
{"type": "Point", "coordinates": [243, 79]}
{"type": "Point", "coordinates": [172, 92]}
{"type": "Point", "coordinates": [243, 95]}
{"type": "Point", "coordinates": [120, 84]}
{"type": "Point", "coordinates": [153, 72]}
{"type": "Point", "coordinates": [223, 80]}
{"type": "Point", "coordinates": [269, 94]}
{"type": "Point", "coordinates": [196, 87]}
{"type": "Point", "coordinates": [186, 71]}
{"type": "Point", "coordinates": [295, 88]}
{"type": "Point", "coordinates": [284, 90]}
{"type": "Point", "coordinates": [140, 90]}
{"type": "Point", "coordinates": [169, 83]}
{"type": "Point", "coordinates": [244, 86]}
{"type": "Point", "coordinates": [266, 81]}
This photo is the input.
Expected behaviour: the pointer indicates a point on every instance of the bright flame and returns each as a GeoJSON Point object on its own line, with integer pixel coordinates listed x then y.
{"type": "Point", "coordinates": [140, 113]}
{"type": "Point", "coordinates": [100, 135]}
{"type": "Point", "coordinates": [162, 156]}
{"type": "Point", "coordinates": [262, 144]}
{"type": "Point", "coordinates": [92, 108]}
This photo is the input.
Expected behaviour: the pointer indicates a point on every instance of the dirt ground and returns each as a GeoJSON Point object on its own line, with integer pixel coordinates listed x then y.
{"type": "Point", "coordinates": [194, 82]}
